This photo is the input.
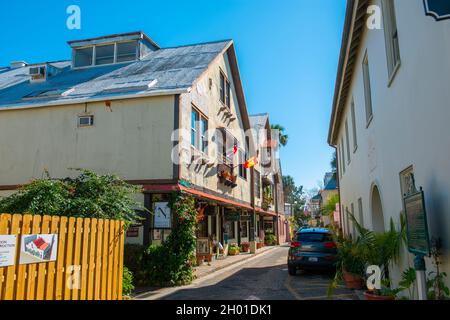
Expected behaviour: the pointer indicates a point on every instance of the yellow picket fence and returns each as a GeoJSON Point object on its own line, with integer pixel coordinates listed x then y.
{"type": "Point", "coordinates": [92, 246]}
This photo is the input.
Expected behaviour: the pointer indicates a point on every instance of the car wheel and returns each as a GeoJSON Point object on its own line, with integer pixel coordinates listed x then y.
{"type": "Point", "coordinates": [292, 271]}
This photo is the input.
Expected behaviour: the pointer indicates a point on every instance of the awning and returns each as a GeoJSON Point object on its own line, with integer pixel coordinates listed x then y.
{"type": "Point", "coordinates": [213, 197]}
{"type": "Point", "coordinates": [266, 213]}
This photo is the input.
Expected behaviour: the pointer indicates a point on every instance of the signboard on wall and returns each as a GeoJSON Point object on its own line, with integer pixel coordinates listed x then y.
{"type": "Point", "coordinates": [416, 223]}
{"type": "Point", "coordinates": [438, 9]}
{"type": "Point", "coordinates": [162, 216]}
{"type": "Point", "coordinates": [7, 250]}
{"type": "Point", "coordinates": [133, 232]}
{"type": "Point", "coordinates": [36, 248]}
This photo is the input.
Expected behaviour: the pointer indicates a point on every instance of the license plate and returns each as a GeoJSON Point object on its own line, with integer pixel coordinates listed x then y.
{"type": "Point", "coordinates": [313, 259]}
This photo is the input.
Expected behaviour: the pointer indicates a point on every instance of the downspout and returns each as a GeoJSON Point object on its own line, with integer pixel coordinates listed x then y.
{"type": "Point", "coordinates": [338, 182]}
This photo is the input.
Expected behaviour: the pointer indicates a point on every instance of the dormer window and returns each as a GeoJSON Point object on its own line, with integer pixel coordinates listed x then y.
{"type": "Point", "coordinates": [104, 54]}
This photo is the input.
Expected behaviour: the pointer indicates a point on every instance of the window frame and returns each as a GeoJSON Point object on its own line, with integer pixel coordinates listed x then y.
{"type": "Point", "coordinates": [224, 89]}
{"type": "Point", "coordinates": [347, 140]}
{"type": "Point", "coordinates": [367, 89]}
{"type": "Point", "coordinates": [91, 120]}
{"type": "Point", "coordinates": [257, 176]}
{"type": "Point", "coordinates": [353, 114]}
{"type": "Point", "coordinates": [200, 138]}
{"type": "Point", "coordinates": [392, 44]}
{"type": "Point", "coordinates": [342, 155]}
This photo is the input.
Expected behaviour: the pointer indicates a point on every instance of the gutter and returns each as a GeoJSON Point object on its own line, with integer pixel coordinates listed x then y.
{"type": "Point", "coordinates": [164, 92]}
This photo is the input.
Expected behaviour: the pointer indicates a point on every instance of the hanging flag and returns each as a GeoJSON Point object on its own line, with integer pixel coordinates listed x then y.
{"type": "Point", "coordinates": [232, 151]}
{"type": "Point", "coordinates": [251, 162]}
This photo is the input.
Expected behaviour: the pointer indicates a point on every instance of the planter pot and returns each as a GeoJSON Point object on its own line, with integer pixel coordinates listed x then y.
{"type": "Point", "coordinates": [245, 247]}
{"type": "Point", "coordinates": [371, 296]}
{"type": "Point", "coordinates": [353, 281]}
{"type": "Point", "coordinates": [233, 252]}
{"type": "Point", "coordinates": [259, 245]}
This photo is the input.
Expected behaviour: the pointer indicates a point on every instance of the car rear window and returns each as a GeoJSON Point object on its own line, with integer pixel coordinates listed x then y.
{"type": "Point", "coordinates": [313, 237]}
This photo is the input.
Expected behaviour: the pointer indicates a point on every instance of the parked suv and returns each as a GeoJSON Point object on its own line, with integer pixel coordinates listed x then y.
{"type": "Point", "coordinates": [312, 248]}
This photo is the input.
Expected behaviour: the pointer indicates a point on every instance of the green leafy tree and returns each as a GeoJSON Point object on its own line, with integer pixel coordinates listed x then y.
{"type": "Point", "coordinates": [282, 135]}
{"type": "Point", "coordinates": [87, 195]}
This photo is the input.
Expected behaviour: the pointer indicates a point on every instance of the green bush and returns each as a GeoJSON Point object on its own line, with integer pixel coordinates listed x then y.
{"type": "Point", "coordinates": [170, 263]}
{"type": "Point", "coordinates": [88, 195]}
{"type": "Point", "coordinates": [127, 281]}
{"type": "Point", "coordinates": [270, 239]}
{"type": "Point", "coordinates": [133, 254]}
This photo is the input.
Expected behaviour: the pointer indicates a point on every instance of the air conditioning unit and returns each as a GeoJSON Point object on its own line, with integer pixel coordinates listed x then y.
{"type": "Point", "coordinates": [37, 73]}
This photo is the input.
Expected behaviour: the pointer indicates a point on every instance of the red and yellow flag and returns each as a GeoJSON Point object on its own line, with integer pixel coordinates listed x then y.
{"type": "Point", "coordinates": [251, 162]}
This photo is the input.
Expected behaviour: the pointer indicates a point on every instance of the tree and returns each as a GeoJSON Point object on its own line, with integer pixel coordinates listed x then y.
{"type": "Point", "coordinates": [281, 131]}
{"type": "Point", "coordinates": [294, 195]}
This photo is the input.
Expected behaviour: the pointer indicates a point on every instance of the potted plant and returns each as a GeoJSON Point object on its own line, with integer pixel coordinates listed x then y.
{"type": "Point", "coordinates": [259, 245]}
{"type": "Point", "coordinates": [245, 246]}
{"type": "Point", "coordinates": [270, 239]}
{"type": "Point", "coordinates": [350, 263]}
{"type": "Point", "coordinates": [233, 250]}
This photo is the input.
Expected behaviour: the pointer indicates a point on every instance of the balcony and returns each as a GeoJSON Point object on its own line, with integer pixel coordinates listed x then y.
{"type": "Point", "coordinates": [225, 174]}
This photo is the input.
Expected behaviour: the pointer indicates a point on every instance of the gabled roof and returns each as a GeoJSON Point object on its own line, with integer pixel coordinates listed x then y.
{"type": "Point", "coordinates": [259, 121]}
{"type": "Point", "coordinates": [163, 71]}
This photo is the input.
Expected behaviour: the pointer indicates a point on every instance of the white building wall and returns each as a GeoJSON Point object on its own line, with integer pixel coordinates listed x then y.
{"type": "Point", "coordinates": [410, 123]}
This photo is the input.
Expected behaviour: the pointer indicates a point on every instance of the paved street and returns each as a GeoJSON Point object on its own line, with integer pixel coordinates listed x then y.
{"type": "Point", "coordinates": [264, 277]}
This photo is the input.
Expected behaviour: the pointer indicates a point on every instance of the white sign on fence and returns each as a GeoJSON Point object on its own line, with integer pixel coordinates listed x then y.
{"type": "Point", "coordinates": [162, 216]}
{"type": "Point", "coordinates": [36, 248]}
{"type": "Point", "coordinates": [7, 250]}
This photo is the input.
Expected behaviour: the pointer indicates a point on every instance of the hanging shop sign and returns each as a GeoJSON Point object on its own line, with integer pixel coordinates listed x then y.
{"type": "Point", "coordinates": [162, 218]}
{"type": "Point", "coordinates": [133, 232]}
{"type": "Point", "coordinates": [232, 216]}
{"type": "Point", "coordinates": [416, 223]}
{"type": "Point", "coordinates": [37, 248]}
{"type": "Point", "coordinates": [438, 9]}
{"type": "Point", "coordinates": [7, 250]}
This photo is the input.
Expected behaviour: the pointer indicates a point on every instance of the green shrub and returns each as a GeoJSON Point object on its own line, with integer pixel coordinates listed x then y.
{"type": "Point", "coordinates": [133, 254]}
{"type": "Point", "coordinates": [270, 239]}
{"type": "Point", "coordinates": [127, 281]}
{"type": "Point", "coordinates": [88, 195]}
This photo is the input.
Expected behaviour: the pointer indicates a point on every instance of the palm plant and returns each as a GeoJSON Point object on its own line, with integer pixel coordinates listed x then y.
{"type": "Point", "coordinates": [282, 136]}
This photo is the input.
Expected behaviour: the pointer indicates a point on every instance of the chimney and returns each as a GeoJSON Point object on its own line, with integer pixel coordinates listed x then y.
{"type": "Point", "coordinates": [18, 64]}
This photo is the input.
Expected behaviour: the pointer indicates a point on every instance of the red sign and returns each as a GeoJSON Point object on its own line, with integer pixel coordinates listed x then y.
{"type": "Point", "coordinates": [133, 232]}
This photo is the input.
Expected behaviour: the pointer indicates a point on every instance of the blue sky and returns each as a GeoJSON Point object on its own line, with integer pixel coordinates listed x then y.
{"type": "Point", "coordinates": [287, 52]}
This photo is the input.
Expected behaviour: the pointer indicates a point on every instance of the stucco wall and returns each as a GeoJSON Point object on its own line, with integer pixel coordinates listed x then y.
{"type": "Point", "coordinates": [409, 126]}
{"type": "Point", "coordinates": [133, 140]}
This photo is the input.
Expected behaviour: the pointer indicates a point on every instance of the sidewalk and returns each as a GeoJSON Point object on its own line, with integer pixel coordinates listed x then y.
{"type": "Point", "coordinates": [200, 272]}
{"type": "Point", "coordinates": [216, 265]}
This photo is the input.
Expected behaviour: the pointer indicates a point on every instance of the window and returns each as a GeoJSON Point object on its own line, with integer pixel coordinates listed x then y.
{"type": "Point", "coordinates": [338, 157]}
{"type": "Point", "coordinates": [360, 213]}
{"type": "Point", "coordinates": [347, 140]}
{"type": "Point", "coordinates": [244, 229]}
{"type": "Point", "coordinates": [85, 121]}
{"type": "Point", "coordinates": [391, 37]}
{"type": "Point", "coordinates": [126, 51]}
{"type": "Point", "coordinates": [203, 136]}
{"type": "Point", "coordinates": [227, 94]}
{"type": "Point", "coordinates": [355, 140]}
{"type": "Point", "coordinates": [367, 90]}
{"type": "Point", "coordinates": [83, 57]}
{"type": "Point", "coordinates": [314, 237]}
{"type": "Point", "coordinates": [194, 133]}
{"type": "Point", "coordinates": [229, 229]}
{"type": "Point", "coordinates": [342, 155]}
{"type": "Point", "coordinates": [222, 87]}
{"type": "Point", "coordinates": [104, 54]}
{"type": "Point", "coordinates": [257, 184]}
{"type": "Point", "coordinates": [225, 90]}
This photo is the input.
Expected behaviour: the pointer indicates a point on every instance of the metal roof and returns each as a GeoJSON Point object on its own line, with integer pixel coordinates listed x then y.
{"type": "Point", "coordinates": [163, 71]}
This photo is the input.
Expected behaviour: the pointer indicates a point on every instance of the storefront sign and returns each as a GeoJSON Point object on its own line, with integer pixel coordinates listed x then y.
{"type": "Point", "coordinates": [133, 232]}
{"type": "Point", "coordinates": [232, 216]}
{"type": "Point", "coordinates": [7, 250]}
{"type": "Point", "coordinates": [438, 9]}
{"type": "Point", "coordinates": [162, 216]}
{"type": "Point", "coordinates": [416, 222]}
{"type": "Point", "coordinates": [36, 248]}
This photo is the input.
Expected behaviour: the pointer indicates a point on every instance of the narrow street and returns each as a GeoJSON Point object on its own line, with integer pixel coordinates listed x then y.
{"type": "Point", "coordinates": [264, 277]}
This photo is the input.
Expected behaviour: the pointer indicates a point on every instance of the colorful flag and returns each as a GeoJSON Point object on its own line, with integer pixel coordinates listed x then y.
{"type": "Point", "coordinates": [250, 162]}
{"type": "Point", "coordinates": [233, 151]}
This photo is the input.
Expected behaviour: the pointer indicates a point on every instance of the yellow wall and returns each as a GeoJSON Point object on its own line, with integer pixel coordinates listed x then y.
{"type": "Point", "coordinates": [133, 140]}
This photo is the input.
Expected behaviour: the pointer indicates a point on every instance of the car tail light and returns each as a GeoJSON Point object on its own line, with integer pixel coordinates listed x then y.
{"type": "Point", "coordinates": [329, 257]}
{"type": "Point", "coordinates": [295, 244]}
{"type": "Point", "coordinates": [330, 245]}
